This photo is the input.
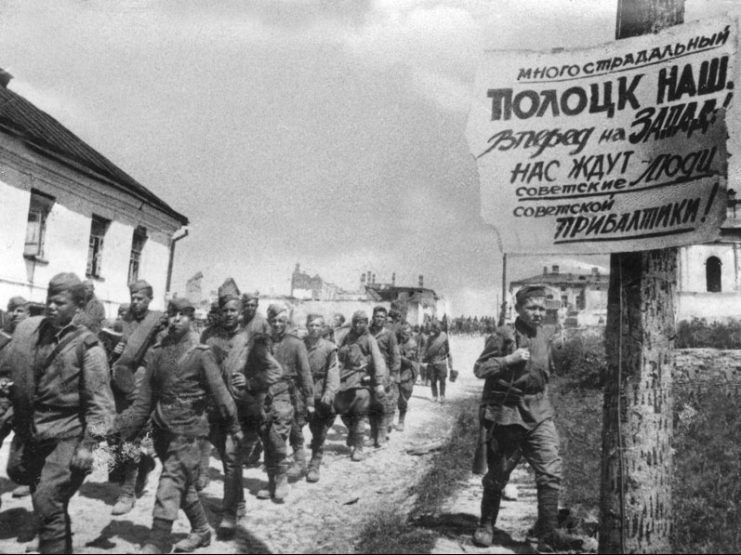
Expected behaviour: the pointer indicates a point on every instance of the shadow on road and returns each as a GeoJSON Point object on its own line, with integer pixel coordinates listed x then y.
{"type": "Point", "coordinates": [17, 523]}
{"type": "Point", "coordinates": [124, 529]}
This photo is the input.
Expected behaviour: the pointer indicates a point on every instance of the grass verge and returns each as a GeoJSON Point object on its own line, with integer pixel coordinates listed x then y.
{"type": "Point", "coordinates": [389, 532]}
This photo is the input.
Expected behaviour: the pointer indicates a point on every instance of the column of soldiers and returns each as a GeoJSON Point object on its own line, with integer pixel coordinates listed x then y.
{"type": "Point", "coordinates": [246, 385]}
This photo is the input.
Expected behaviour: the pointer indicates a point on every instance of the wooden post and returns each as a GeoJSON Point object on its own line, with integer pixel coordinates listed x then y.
{"type": "Point", "coordinates": [636, 501]}
{"type": "Point", "coordinates": [503, 307]}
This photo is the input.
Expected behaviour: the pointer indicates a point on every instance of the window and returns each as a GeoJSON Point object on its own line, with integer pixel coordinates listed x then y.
{"type": "Point", "coordinates": [38, 213]}
{"type": "Point", "coordinates": [137, 246]}
{"type": "Point", "coordinates": [712, 274]}
{"type": "Point", "coordinates": [98, 228]}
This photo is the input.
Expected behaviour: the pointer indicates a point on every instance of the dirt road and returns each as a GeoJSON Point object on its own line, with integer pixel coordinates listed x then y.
{"type": "Point", "coordinates": [322, 517]}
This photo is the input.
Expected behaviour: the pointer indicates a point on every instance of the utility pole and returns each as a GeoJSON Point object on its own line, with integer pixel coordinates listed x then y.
{"type": "Point", "coordinates": [636, 500]}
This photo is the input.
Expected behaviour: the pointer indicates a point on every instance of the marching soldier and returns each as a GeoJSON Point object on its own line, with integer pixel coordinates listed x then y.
{"type": "Point", "coordinates": [252, 321]}
{"type": "Point", "coordinates": [518, 417]}
{"type": "Point", "coordinates": [63, 407]}
{"type": "Point", "coordinates": [382, 413]}
{"type": "Point", "coordinates": [140, 332]}
{"type": "Point", "coordinates": [228, 341]}
{"type": "Point", "coordinates": [290, 352]}
{"type": "Point", "coordinates": [408, 350]}
{"type": "Point", "coordinates": [18, 310]}
{"type": "Point", "coordinates": [326, 374]}
{"type": "Point", "coordinates": [362, 375]}
{"type": "Point", "coordinates": [180, 374]}
{"type": "Point", "coordinates": [437, 359]}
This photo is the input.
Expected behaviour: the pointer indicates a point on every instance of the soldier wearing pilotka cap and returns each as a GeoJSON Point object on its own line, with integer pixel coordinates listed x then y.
{"type": "Point", "coordinates": [518, 417]}
{"type": "Point", "coordinates": [63, 407]}
{"type": "Point", "coordinates": [181, 377]}
{"type": "Point", "coordinates": [140, 332]}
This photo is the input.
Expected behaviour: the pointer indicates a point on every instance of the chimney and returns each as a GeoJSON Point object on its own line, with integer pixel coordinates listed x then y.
{"type": "Point", "coordinates": [5, 78]}
{"type": "Point", "coordinates": [555, 269]}
{"type": "Point", "coordinates": [421, 280]}
{"type": "Point", "coordinates": [545, 270]}
{"type": "Point", "coordinates": [393, 279]}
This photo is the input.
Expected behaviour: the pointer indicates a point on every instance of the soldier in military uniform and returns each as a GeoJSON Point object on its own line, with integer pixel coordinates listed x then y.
{"type": "Point", "coordinates": [362, 377]}
{"type": "Point", "coordinates": [290, 352]}
{"type": "Point", "coordinates": [409, 355]}
{"type": "Point", "coordinates": [93, 313]}
{"type": "Point", "coordinates": [228, 341]}
{"type": "Point", "coordinates": [326, 375]}
{"type": "Point", "coordinates": [63, 407]}
{"type": "Point", "coordinates": [140, 331]}
{"type": "Point", "coordinates": [180, 377]}
{"type": "Point", "coordinates": [518, 416]}
{"type": "Point", "coordinates": [18, 310]}
{"type": "Point", "coordinates": [382, 414]}
{"type": "Point", "coordinates": [437, 359]}
{"type": "Point", "coordinates": [252, 321]}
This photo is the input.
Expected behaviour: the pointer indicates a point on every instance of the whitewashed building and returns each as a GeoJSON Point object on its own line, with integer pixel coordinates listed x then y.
{"type": "Point", "coordinates": [66, 208]}
{"type": "Point", "coordinates": [709, 275]}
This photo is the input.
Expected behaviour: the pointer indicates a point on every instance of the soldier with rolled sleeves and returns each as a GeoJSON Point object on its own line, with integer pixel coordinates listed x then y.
{"type": "Point", "coordinates": [326, 375]}
{"type": "Point", "coordinates": [382, 414]}
{"type": "Point", "coordinates": [409, 353]}
{"type": "Point", "coordinates": [362, 376]}
{"type": "Point", "coordinates": [228, 341]}
{"type": "Point", "coordinates": [180, 376]}
{"type": "Point", "coordinates": [63, 407]}
{"type": "Point", "coordinates": [518, 416]}
{"type": "Point", "coordinates": [140, 331]}
{"type": "Point", "coordinates": [290, 352]}
{"type": "Point", "coordinates": [437, 359]}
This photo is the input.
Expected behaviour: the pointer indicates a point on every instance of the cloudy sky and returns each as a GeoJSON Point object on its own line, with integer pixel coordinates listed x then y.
{"type": "Point", "coordinates": [329, 133]}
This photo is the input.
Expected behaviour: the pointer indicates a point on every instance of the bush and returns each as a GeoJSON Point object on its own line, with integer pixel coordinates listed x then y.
{"type": "Point", "coordinates": [580, 360]}
{"type": "Point", "coordinates": [707, 473]}
{"type": "Point", "coordinates": [697, 334]}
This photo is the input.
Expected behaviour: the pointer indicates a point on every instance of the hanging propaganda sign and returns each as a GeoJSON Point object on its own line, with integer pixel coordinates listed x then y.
{"type": "Point", "coordinates": [615, 148]}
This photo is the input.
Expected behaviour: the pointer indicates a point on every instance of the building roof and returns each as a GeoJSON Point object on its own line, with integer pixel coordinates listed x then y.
{"type": "Point", "coordinates": [385, 292]}
{"type": "Point", "coordinates": [44, 134]}
{"type": "Point", "coordinates": [555, 279]}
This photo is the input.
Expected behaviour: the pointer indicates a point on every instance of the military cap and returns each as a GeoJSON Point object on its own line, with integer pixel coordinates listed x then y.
{"type": "Point", "coordinates": [228, 291]}
{"type": "Point", "coordinates": [275, 309]}
{"type": "Point", "coordinates": [180, 304]}
{"type": "Point", "coordinates": [251, 295]}
{"type": "Point", "coordinates": [528, 292]}
{"type": "Point", "coordinates": [66, 281]}
{"type": "Point", "coordinates": [379, 308]}
{"type": "Point", "coordinates": [140, 285]}
{"type": "Point", "coordinates": [15, 302]}
{"type": "Point", "coordinates": [359, 315]}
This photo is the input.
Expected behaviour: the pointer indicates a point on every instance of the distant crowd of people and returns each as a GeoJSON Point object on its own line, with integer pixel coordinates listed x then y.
{"type": "Point", "coordinates": [150, 384]}
{"type": "Point", "coordinates": [472, 325]}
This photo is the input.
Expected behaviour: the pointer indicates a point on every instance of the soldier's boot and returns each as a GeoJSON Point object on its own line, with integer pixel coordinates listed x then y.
{"type": "Point", "coordinates": [484, 534]}
{"type": "Point", "coordinates": [314, 464]}
{"type": "Point", "coordinates": [159, 537]}
{"type": "Point", "coordinates": [551, 539]}
{"type": "Point", "coordinates": [400, 425]}
{"type": "Point", "coordinates": [267, 493]}
{"type": "Point", "coordinates": [357, 450]}
{"type": "Point", "coordinates": [193, 541]}
{"type": "Point", "coordinates": [127, 497]}
{"type": "Point", "coordinates": [22, 491]}
{"type": "Point", "coordinates": [200, 533]}
{"type": "Point", "coordinates": [204, 476]}
{"type": "Point", "coordinates": [298, 468]}
{"type": "Point", "coordinates": [146, 465]}
{"type": "Point", "coordinates": [281, 487]}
